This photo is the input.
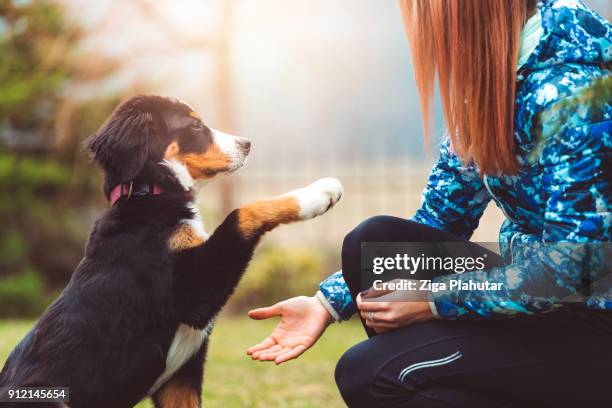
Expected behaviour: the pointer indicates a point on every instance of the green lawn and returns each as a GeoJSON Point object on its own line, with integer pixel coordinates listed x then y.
{"type": "Point", "coordinates": [232, 379]}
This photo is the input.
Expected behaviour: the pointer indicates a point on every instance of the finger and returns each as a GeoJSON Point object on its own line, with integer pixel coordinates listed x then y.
{"type": "Point", "coordinates": [265, 312]}
{"type": "Point", "coordinates": [257, 354]}
{"type": "Point", "coordinates": [291, 354]}
{"type": "Point", "coordinates": [378, 324]}
{"type": "Point", "coordinates": [373, 306]}
{"type": "Point", "coordinates": [383, 317]}
{"type": "Point", "coordinates": [381, 329]}
{"type": "Point", "coordinates": [271, 356]}
{"type": "Point", "coordinates": [272, 349]}
{"type": "Point", "coordinates": [374, 293]}
{"type": "Point", "coordinates": [384, 326]}
{"type": "Point", "coordinates": [268, 342]}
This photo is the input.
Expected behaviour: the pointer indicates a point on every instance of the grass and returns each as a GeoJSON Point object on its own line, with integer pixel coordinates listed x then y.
{"type": "Point", "coordinates": [233, 380]}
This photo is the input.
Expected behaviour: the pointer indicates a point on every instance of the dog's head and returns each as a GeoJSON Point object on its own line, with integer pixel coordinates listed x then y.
{"type": "Point", "coordinates": [146, 131]}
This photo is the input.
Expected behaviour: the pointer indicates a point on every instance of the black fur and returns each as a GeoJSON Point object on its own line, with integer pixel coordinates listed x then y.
{"type": "Point", "coordinates": [107, 335]}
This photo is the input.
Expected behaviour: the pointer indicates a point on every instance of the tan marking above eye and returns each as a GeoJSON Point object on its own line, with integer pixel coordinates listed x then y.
{"type": "Point", "coordinates": [171, 151]}
{"type": "Point", "coordinates": [195, 115]}
{"type": "Point", "coordinates": [184, 237]}
{"type": "Point", "coordinates": [264, 215]}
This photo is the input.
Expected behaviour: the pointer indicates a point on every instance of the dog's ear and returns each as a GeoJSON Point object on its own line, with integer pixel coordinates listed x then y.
{"type": "Point", "coordinates": [123, 144]}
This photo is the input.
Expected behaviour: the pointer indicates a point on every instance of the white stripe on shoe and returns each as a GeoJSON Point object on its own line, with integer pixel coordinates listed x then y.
{"type": "Point", "coordinates": [433, 363]}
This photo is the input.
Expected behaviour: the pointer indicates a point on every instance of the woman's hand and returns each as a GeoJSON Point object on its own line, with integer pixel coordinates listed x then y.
{"type": "Point", "coordinates": [303, 321]}
{"type": "Point", "coordinates": [384, 316]}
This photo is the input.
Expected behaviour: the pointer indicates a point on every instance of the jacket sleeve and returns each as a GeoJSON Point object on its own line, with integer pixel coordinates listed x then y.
{"type": "Point", "coordinates": [454, 199]}
{"type": "Point", "coordinates": [455, 196]}
{"type": "Point", "coordinates": [576, 231]}
{"type": "Point", "coordinates": [336, 297]}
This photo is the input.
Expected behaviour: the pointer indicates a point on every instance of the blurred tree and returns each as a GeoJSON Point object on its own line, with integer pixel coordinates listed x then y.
{"type": "Point", "coordinates": [46, 186]}
{"type": "Point", "coordinates": [27, 42]}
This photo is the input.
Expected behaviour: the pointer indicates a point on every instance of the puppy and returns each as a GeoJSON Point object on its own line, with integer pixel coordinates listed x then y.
{"type": "Point", "coordinates": [135, 318]}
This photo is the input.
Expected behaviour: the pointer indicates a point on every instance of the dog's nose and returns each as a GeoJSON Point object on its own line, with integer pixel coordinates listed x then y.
{"type": "Point", "coordinates": [244, 144]}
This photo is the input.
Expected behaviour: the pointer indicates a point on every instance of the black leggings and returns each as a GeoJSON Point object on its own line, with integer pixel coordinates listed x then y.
{"type": "Point", "coordinates": [559, 359]}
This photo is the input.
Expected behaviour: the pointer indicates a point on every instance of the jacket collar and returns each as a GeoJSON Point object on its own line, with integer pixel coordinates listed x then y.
{"type": "Point", "coordinates": [572, 33]}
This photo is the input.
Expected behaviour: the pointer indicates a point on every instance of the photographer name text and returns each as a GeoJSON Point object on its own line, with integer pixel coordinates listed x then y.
{"type": "Point", "coordinates": [430, 286]}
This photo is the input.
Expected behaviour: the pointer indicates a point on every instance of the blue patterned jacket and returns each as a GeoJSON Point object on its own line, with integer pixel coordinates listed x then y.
{"type": "Point", "coordinates": [562, 192]}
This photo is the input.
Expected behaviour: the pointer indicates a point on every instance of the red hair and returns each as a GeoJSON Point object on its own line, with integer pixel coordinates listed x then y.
{"type": "Point", "coordinates": [472, 46]}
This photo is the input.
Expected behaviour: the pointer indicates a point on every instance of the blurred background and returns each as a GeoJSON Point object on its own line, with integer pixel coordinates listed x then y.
{"type": "Point", "coordinates": [322, 88]}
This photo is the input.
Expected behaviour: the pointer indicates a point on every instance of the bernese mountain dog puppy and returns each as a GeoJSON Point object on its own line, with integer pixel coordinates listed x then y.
{"type": "Point", "coordinates": [135, 318]}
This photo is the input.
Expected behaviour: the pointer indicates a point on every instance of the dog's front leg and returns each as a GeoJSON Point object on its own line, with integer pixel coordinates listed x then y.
{"type": "Point", "coordinates": [254, 219]}
{"type": "Point", "coordinates": [208, 274]}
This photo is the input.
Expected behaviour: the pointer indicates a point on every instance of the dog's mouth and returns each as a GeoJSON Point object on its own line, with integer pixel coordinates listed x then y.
{"type": "Point", "coordinates": [237, 161]}
{"type": "Point", "coordinates": [227, 154]}
{"type": "Point", "coordinates": [234, 148]}
{"type": "Point", "coordinates": [238, 157]}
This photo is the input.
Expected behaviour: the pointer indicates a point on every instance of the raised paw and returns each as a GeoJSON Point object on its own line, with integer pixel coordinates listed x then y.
{"type": "Point", "coordinates": [318, 197]}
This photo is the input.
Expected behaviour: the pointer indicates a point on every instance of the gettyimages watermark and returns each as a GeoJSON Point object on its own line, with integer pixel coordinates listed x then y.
{"type": "Point", "coordinates": [411, 271]}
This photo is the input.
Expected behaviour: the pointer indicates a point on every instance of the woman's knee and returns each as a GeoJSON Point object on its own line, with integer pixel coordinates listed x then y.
{"type": "Point", "coordinates": [354, 376]}
{"type": "Point", "coordinates": [373, 229]}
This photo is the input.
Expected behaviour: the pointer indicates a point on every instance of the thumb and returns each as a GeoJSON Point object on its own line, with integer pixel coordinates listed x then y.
{"type": "Point", "coordinates": [375, 293]}
{"type": "Point", "coordinates": [265, 312]}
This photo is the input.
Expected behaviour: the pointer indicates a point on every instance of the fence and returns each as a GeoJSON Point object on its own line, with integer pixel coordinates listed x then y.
{"type": "Point", "coordinates": [392, 188]}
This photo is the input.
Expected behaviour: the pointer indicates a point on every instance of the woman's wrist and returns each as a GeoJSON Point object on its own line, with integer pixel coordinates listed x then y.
{"type": "Point", "coordinates": [333, 315]}
{"type": "Point", "coordinates": [432, 306]}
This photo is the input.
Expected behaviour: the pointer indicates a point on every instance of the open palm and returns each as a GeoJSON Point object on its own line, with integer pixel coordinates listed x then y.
{"type": "Point", "coordinates": [303, 320]}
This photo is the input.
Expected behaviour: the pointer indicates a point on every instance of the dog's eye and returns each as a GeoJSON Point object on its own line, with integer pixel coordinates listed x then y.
{"type": "Point", "coordinates": [197, 125]}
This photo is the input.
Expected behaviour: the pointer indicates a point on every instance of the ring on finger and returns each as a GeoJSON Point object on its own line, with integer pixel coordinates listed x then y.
{"type": "Point", "coordinates": [371, 316]}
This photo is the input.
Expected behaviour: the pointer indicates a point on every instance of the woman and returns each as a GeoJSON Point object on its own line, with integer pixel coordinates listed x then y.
{"type": "Point", "coordinates": [508, 73]}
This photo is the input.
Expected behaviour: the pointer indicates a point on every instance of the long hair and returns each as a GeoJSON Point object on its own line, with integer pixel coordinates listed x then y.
{"type": "Point", "coordinates": [472, 46]}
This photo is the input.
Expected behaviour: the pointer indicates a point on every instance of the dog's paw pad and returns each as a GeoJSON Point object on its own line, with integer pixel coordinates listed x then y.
{"type": "Point", "coordinates": [318, 197]}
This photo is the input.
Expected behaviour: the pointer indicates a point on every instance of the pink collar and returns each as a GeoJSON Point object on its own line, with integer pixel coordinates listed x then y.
{"type": "Point", "coordinates": [129, 189]}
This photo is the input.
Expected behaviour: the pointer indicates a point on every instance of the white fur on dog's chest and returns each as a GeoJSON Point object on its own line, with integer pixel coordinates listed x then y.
{"type": "Point", "coordinates": [187, 341]}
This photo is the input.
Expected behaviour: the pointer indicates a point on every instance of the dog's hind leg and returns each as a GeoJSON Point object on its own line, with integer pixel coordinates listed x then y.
{"type": "Point", "coordinates": [184, 388]}
{"type": "Point", "coordinates": [207, 275]}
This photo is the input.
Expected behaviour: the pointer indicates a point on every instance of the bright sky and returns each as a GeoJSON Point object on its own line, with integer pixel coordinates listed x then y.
{"type": "Point", "coordinates": [332, 77]}
{"type": "Point", "coordinates": [314, 78]}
